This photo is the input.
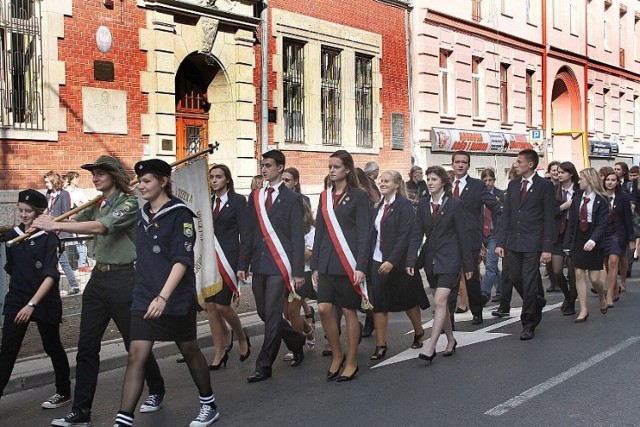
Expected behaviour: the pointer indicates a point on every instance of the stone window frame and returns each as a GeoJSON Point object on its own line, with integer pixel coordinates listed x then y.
{"type": "Point", "coordinates": [53, 13]}
{"type": "Point", "coordinates": [316, 34]}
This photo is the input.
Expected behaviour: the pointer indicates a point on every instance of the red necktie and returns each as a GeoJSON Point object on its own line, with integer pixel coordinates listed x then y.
{"type": "Point", "coordinates": [216, 211]}
{"type": "Point", "coordinates": [269, 201]}
{"type": "Point", "coordinates": [584, 224]}
{"type": "Point", "coordinates": [384, 217]}
{"type": "Point", "coordinates": [456, 190]}
{"type": "Point", "coordinates": [435, 207]}
{"type": "Point", "coordinates": [563, 221]}
{"type": "Point", "coordinates": [523, 190]}
{"type": "Point", "coordinates": [486, 228]}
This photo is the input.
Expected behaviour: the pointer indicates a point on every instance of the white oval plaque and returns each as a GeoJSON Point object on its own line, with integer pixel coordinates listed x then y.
{"type": "Point", "coordinates": [103, 39]}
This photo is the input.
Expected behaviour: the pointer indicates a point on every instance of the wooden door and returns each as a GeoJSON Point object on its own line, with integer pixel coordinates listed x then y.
{"type": "Point", "coordinates": [192, 135]}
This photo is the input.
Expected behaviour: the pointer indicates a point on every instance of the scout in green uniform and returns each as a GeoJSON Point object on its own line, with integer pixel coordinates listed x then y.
{"type": "Point", "coordinates": [108, 294]}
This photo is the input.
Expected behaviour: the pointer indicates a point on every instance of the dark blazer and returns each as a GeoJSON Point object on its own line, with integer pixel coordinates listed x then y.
{"type": "Point", "coordinates": [474, 196]}
{"type": "Point", "coordinates": [622, 221]}
{"type": "Point", "coordinates": [396, 231]}
{"type": "Point", "coordinates": [598, 219]}
{"type": "Point", "coordinates": [61, 205]}
{"type": "Point", "coordinates": [354, 218]}
{"type": "Point", "coordinates": [528, 226]}
{"type": "Point", "coordinates": [446, 248]}
{"type": "Point", "coordinates": [286, 217]}
{"type": "Point", "coordinates": [557, 213]}
{"type": "Point", "coordinates": [635, 194]}
{"type": "Point", "coordinates": [495, 213]}
{"type": "Point", "coordinates": [229, 224]}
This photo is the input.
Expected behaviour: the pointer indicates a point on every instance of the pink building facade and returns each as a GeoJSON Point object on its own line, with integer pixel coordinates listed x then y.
{"type": "Point", "coordinates": [496, 76]}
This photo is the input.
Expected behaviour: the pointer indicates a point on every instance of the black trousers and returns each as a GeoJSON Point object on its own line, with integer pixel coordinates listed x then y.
{"type": "Point", "coordinates": [12, 337]}
{"type": "Point", "coordinates": [524, 276]}
{"type": "Point", "coordinates": [269, 293]}
{"type": "Point", "coordinates": [473, 289]}
{"type": "Point", "coordinates": [108, 295]}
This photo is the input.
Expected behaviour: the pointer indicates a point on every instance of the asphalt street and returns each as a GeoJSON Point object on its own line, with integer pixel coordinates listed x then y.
{"type": "Point", "coordinates": [570, 375]}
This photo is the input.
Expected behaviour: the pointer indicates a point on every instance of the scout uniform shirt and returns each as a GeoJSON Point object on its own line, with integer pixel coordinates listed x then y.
{"type": "Point", "coordinates": [118, 215]}
{"type": "Point", "coordinates": [162, 240]}
{"type": "Point", "coordinates": [28, 264]}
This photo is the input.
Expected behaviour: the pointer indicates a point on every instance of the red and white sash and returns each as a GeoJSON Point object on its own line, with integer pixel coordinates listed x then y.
{"type": "Point", "coordinates": [341, 246]}
{"type": "Point", "coordinates": [227, 273]}
{"type": "Point", "coordinates": [274, 244]}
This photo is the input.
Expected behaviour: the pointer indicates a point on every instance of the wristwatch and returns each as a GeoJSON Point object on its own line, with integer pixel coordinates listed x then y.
{"type": "Point", "coordinates": [31, 304]}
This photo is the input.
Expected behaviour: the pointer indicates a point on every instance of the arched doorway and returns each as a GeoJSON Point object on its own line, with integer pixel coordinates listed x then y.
{"type": "Point", "coordinates": [566, 115]}
{"type": "Point", "coordinates": [192, 104]}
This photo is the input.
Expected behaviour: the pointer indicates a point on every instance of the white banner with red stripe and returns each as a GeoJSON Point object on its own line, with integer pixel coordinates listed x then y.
{"type": "Point", "coordinates": [227, 273]}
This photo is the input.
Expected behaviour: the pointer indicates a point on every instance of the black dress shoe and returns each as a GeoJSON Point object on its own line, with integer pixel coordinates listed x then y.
{"type": "Point", "coordinates": [298, 357]}
{"type": "Point", "coordinates": [569, 311]}
{"type": "Point", "coordinates": [368, 327]}
{"type": "Point", "coordinates": [258, 376]}
{"type": "Point", "coordinates": [501, 312]}
{"type": "Point", "coordinates": [526, 335]}
{"type": "Point", "coordinates": [344, 378]}
{"type": "Point", "coordinates": [485, 299]}
{"type": "Point", "coordinates": [477, 320]}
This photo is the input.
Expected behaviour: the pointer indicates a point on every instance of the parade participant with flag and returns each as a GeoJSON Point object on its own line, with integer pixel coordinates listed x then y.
{"type": "Point", "coordinates": [164, 299]}
{"type": "Point", "coordinates": [340, 258]}
{"type": "Point", "coordinates": [108, 294]}
{"type": "Point", "coordinates": [273, 246]}
{"type": "Point", "coordinates": [229, 213]}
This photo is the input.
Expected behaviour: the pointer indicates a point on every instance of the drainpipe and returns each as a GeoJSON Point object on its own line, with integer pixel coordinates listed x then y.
{"type": "Point", "coordinates": [544, 71]}
{"type": "Point", "coordinates": [407, 31]}
{"type": "Point", "coordinates": [585, 134]}
{"type": "Point", "coordinates": [264, 81]}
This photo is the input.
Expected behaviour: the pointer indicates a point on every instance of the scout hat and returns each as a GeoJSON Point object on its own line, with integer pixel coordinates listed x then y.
{"type": "Point", "coordinates": [33, 198]}
{"type": "Point", "coordinates": [153, 166]}
{"type": "Point", "coordinates": [107, 163]}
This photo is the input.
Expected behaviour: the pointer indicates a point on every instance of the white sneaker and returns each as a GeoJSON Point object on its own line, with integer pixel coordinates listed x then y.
{"type": "Point", "coordinates": [207, 416]}
{"type": "Point", "coordinates": [152, 404]}
{"type": "Point", "coordinates": [288, 357]}
{"type": "Point", "coordinates": [56, 401]}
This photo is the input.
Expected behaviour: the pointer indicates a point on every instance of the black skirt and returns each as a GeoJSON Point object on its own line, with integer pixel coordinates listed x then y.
{"type": "Point", "coordinates": [611, 246]}
{"type": "Point", "coordinates": [396, 291]}
{"type": "Point", "coordinates": [177, 328]}
{"type": "Point", "coordinates": [592, 260]}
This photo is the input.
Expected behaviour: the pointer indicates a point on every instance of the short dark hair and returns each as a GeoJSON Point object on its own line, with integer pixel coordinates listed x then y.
{"type": "Point", "coordinates": [634, 169]}
{"type": "Point", "coordinates": [488, 172]}
{"type": "Point", "coordinates": [531, 156]}
{"type": "Point", "coordinates": [227, 174]}
{"type": "Point", "coordinates": [277, 155]}
{"type": "Point", "coordinates": [444, 177]}
{"type": "Point", "coordinates": [461, 153]}
{"type": "Point", "coordinates": [552, 164]}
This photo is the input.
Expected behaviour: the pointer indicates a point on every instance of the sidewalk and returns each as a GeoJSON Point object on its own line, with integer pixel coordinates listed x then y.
{"type": "Point", "coordinates": [36, 371]}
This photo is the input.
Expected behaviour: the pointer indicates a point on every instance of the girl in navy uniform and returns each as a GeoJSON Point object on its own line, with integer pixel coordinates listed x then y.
{"type": "Point", "coordinates": [618, 235]}
{"type": "Point", "coordinates": [229, 211]}
{"type": "Point", "coordinates": [34, 296]}
{"type": "Point", "coordinates": [164, 298]}
{"type": "Point", "coordinates": [336, 277]}
{"type": "Point", "coordinates": [440, 218]}
{"type": "Point", "coordinates": [585, 236]}
{"type": "Point", "coordinates": [392, 289]}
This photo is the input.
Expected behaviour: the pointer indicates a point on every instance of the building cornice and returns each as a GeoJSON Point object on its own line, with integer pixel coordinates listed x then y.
{"type": "Point", "coordinates": [177, 7]}
{"type": "Point", "coordinates": [404, 4]}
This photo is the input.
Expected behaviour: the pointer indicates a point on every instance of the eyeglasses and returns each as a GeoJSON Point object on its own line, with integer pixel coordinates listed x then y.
{"type": "Point", "coordinates": [287, 179]}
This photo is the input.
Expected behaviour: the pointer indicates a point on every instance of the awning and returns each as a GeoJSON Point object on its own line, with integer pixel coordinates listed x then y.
{"type": "Point", "coordinates": [606, 149]}
{"type": "Point", "coordinates": [443, 139]}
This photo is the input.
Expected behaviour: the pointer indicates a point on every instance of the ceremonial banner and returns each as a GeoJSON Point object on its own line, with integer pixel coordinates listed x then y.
{"type": "Point", "coordinates": [191, 185]}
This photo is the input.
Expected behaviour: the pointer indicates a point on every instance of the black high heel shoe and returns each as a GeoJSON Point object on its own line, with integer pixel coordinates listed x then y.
{"type": "Point", "coordinates": [223, 361]}
{"type": "Point", "coordinates": [245, 356]}
{"type": "Point", "coordinates": [228, 348]}
{"type": "Point", "coordinates": [334, 375]}
{"type": "Point", "coordinates": [379, 353]}
{"type": "Point", "coordinates": [452, 352]}
{"type": "Point", "coordinates": [344, 378]}
{"type": "Point", "coordinates": [416, 341]}
{"type": "Point", "coordinates": [429, 359]}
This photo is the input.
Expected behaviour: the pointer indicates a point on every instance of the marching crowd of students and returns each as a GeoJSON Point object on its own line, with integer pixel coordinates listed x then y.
{"type": "Point", "coordinates": [371, 236]}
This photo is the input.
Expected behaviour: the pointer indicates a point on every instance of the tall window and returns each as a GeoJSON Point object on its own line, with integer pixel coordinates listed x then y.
{"type": "Point", "coordinates": [330, 96]}
{"type": "Point", "coordinates": [591, 107]}
{"type": "Point", "coordinates": [364, 102]}
{"type": "Point", "coordinates": [636, 37]}
{"type": "Point", "coordinates": [293, 91]}
{"type": "Point", "coordinates": [605, 111]}
{"type": "Point", "coordinates": [21, 68]}
{"type": "Point", "coordinates": [529, 97]}
{"type": "Point", "coordinates": [622, 111]}
{"type": "Point", "coordinates": [636, 116]}
{"type": "Point", "coordinates": [504, 93]}
{"type": "Point", "coordinates": [528, 11]}
{"type": "Point", "coordinates": [574, 17]}
{"type": "Point", "coordinates": [606, 22]}
{"type": "Point", "coordinates": [477, 88]}
{"type": "Point", "coordinates": [557, 13]}
{"type": "Point", "coordinates": [476, 10]}
{"type": "Point", "coordinates": [446, 83]}
{"type": "Point", "coordinates": [504, 6]}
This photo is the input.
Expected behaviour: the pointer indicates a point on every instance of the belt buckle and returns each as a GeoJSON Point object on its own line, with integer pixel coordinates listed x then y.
{"type": "Point", "coordinates": [103, 267]}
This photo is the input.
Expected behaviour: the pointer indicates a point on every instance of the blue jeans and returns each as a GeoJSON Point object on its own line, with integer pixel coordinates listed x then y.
{"type": "Point", "coordinates": [68, 271]}
{"type": "Point", "coordinates": [82, 254]}
{"type": "Point", "coordinates": [492, 272]}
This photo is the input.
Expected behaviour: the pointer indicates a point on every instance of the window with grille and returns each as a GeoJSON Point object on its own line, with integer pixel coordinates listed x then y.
{"type": "Point", "coordinates": [364, 102]}
{"type": "Point", "coordinates": [21, 68]}
{"type": "Point", "coordinates": [529, 97]}
{"type": "Point", "coordinates": [504, 93]}
{"type": "Point", "coordinates": [293, 91]}
{"type": "Point", "coordinates": [330, 97]}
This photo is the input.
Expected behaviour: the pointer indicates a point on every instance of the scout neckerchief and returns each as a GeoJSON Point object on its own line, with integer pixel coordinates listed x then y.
{"type": "Point", "coordinates": [33, 236]}
{"type": "Point", "coordinates": [342, 248]}
{"type": "Point", "coordinates": [274, 244]}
